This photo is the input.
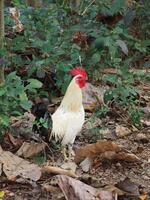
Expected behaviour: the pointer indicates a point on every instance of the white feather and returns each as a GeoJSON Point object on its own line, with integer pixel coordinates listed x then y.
{"type": "Point", "coordinates": [68, 119]}
{"type": "Point", "coordinates": [66, 125]}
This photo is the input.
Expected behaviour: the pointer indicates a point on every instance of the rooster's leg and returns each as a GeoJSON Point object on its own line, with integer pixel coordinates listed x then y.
{"type": "Point", "coordinates": [71, 152]}
{"type": "Point", "coordinates": [64, 152]}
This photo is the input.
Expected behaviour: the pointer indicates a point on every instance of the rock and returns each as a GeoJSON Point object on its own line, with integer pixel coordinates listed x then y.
{"type": "Point", "coordinates": [141, 138]}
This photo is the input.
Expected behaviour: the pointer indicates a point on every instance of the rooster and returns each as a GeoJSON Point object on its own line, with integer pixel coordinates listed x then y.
{"type": "Point", "coordinates": [68, 119]}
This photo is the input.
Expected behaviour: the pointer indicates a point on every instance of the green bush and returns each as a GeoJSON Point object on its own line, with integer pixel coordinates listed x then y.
{"type": "Point", "coordinates": [60, 36]}
{"type": "Point", "coordinates": [14, 97]}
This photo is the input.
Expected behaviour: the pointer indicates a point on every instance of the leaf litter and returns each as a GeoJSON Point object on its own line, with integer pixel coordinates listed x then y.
{"type": "Point", "coordinates": [18, 169]}
{"type": "Point", "coordinates": [28, 150]}
{"type": "Point", "coordinates": [87, 158]}
{"type": "Point", "coordinates": [104, 150]}
{"type": "Point", "coordinates": [77, 190]}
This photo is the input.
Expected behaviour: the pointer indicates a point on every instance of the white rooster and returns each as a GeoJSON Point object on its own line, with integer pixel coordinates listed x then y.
{"type": "Point", "coordinates": [68, 119]}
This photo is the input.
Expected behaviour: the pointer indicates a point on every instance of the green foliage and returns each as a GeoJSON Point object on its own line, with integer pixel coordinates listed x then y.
{"type": "Point", "coordinates": [41, 123]}
{"type": "Point", "coordinates": [14, 97]}
{"type": "Point", "coordinates": [47, 45]}
{"type": "Point", "coordinates": [135, 115]}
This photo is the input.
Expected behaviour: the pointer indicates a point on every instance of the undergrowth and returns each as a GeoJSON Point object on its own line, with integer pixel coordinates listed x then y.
{"type": "Point", "coordinates": [58, 36]}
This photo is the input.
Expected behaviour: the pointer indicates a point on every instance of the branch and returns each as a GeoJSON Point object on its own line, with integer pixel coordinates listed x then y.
{"type": "Point", "coordinates": [1, 39]}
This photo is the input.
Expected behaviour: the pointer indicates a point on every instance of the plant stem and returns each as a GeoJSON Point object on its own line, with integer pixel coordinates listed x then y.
{"type": "Point", "coordinates": [87, 7]}
{"type": "Point", "coordinates": [1, 39]}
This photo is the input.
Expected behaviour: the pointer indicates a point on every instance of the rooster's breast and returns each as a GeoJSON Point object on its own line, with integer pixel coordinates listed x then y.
{"type": "Point", "coordinates": [66, 125]}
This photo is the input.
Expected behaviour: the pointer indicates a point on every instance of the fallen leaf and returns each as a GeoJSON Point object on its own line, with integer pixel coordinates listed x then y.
{"type": "Point", "coordinates": [143, 197]}
{"type": "Point", "coordinates": [56, 192]}
{"type": "Point", "coordinates": [77, 190]}
{"type": "Point", "coordinates": [15, 14]}
{"type": "Point", "coordinates": [22, 125]}
{"type": "Point", "coordinates": [15, 167]}
{"type": "Point", "coordinates": [93, 96]}
{"type": "Point", "coordinates": [146, 110]}
{"type": "Point", "coordinates": [92, 150]}
{"type": "Point", "coordinates": [128, 186]}
{"type": "Point", "coordinates": [122, 131]}
{"type": "Point", "coordinates": [16, 142]}
{"type": "Point", "coordinates": [9, 193]}
{"type": "Point", "coordinates": [86, 165]}
{"type": "Point", "coordinates": [28, 150]}
{"type": "Point", "coordinates": [69, 166]}
{"type": "Point", "coordinates": [58, 170]}
{"type": "Point", "coordinates": [103, 149]}
{"type": "Point", "coordinates": [140, 137]}
{"type": "Point", "coordinates": [92, 124]}
{"type": "Point", "coordinates": [2, 193]}
{"type": "Point", "coordinates": [147, 123]}
{"type": "Point", "coordinates": [114, 190]}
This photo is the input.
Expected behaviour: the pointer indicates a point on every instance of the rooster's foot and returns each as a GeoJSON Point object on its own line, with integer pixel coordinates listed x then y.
{"type": "Point", "coordinates": [68, 156]}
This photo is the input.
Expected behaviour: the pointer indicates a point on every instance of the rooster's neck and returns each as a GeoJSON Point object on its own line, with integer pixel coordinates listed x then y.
{"type": "Point", "coordinates": [72, 100]}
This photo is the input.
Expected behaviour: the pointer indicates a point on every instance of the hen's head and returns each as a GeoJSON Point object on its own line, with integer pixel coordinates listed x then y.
{"type": "Point", "coordinates": [80, 76]}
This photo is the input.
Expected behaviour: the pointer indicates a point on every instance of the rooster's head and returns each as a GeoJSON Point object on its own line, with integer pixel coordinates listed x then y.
{"type": "Point", "coordinates": [80, 76]}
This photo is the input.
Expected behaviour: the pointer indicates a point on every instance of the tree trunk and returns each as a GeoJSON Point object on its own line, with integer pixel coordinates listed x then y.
{"type": "Point", "coordinates": [34, 3]}
{"type": "Point", "coordinates": [1, 40]}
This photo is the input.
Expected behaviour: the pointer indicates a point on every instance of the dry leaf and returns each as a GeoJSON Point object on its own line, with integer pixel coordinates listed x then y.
{"type": "Point", "coordinates": [147, 123]}
{"type": "Point", "coordinates": [128, 186]}
{"type": "Point", "coordinates": [56, 192]}
{"type": "Point", "coordinates": [2, 193]}
{"type": "Point", "coordinates": [23, 125]}
{"type": "Point", "coordinates": [28, 150]}
{"type": "Point", "coordinates": [15, 167]}
{"type": "Point", "coordinates": [69, 166]}
{"type": "Point", "coordinates": [143, 197]}
{"type": "Point", "coordinates": [93, 96]}
{"type": "Point", "coordinates": [15, 142]}
{"type": "Point", "coordinates": [122, 131]}
{"type": "Point", "coordinates": [86, 165]}
{"type": "Point", "coordinates": [92, 150]}
{"type": "Point", "coordinates": [58, 170]}
{"type": "Point", "coordinates": [92, 124]}
{"type": "Point", "coordinates": [146, 110]}
{"type": "Point", "coordinates": [140, 137]}
{"type": "Point", "coordinates": [77, 190]}
{"type": "Point", "coordinates": [130, 3]}
{"type": "Point", "coordinates": [103, 149]}
{"type": "Point", "coordinates": [114, 190]}
{"type": "Point", "coordinates": [15, 14]}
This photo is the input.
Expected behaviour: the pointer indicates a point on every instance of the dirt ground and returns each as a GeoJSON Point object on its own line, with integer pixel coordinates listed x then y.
{"type": "Point", "coordinates": [106, 173]}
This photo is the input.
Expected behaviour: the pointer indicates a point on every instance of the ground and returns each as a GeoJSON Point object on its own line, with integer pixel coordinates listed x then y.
{"type": "Point", "coordinates": [105, 173]}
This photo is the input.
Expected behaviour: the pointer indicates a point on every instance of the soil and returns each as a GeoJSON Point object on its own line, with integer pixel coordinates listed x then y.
{"type": "Point", "coordinates": [107, 173]}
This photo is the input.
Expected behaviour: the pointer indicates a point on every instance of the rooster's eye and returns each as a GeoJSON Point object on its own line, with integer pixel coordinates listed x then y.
{"type": "Point", "coordinates": [80, 78]}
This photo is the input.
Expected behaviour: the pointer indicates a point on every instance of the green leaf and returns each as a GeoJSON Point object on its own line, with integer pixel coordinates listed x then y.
{"type": "Point", "coordinates": [4, 120]}
{"type": "Point", "coordinates": [116, 6]}
{"type": "Point", "coordinates": [26, 105]}
{"type": "Point", "coordinates": [33, 83]}
{"type": "Point", "coordinates": [111, 78]}
{"type": "Point", "coordinates": [2, 91]}
{"type": "Point", "coordinates": [95, 58]}
{"type": "Point", "coordinates": [24, 102]}
{"type": "Point", "coordinates": [123, 46]}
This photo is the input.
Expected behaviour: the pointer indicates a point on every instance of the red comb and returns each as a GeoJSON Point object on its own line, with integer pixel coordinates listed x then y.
{"type": "Point", "coordinates": [78, 71]}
